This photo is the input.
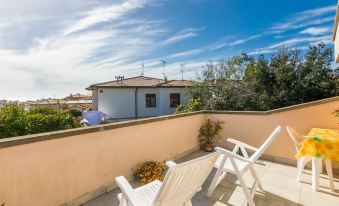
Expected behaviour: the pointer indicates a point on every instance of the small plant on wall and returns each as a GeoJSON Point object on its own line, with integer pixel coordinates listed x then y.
{"type": "Point", "coordinates": [150, 171]}
{"type": "Point", "coordinates": [209, 134]}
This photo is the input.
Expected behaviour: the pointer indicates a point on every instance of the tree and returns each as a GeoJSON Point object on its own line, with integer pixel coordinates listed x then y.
{"type": "Point", "coordinates": [287, 78]}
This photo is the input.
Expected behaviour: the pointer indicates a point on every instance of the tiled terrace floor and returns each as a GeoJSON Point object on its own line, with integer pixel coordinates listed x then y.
{"type": "Point", "coordinates": [278, 180]}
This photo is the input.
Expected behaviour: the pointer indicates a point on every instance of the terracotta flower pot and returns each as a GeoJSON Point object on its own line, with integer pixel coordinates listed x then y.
{"type": "Point", "coordinates": [209, 147]}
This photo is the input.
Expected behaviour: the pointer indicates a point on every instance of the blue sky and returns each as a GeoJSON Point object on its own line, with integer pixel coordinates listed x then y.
{"type": "Point", "coordinates": [54, 48]}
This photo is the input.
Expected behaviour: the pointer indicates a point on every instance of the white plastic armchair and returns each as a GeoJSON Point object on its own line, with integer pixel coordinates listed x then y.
{"type": "Point", "coordinates": [181, 183]}
{"type": "Point", "coordinates": [231, 162]}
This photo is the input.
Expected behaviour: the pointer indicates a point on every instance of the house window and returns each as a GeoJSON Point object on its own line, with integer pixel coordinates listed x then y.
{"type": "Point", "coordinates": [151, 100]}
{"type": "Point", "coordinates": [174, 99]}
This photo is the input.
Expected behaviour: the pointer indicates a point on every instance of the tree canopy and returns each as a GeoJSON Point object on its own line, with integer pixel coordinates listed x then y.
{"type": "Point", "coordinates": [247, 83]}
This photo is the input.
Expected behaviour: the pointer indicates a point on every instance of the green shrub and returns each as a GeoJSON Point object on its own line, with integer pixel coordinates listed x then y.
{"type": "Point", "coordinates": [43, 110]}
{"type": "Point", "coordinates": [193, 105]}
{"type": "Point", "coordinates": [75, 113]}
{"type": "Point", "coordinates": [15, 121]}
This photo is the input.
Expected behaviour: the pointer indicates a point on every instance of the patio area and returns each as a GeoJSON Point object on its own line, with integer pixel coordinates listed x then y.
{"type": "Point", "coordinates": [81, 164]}
{"type": "Point", "coordinates": [279, 181]}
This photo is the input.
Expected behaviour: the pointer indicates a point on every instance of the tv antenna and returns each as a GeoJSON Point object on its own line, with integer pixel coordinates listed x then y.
{"type": "Point", "coordinates": [164, 65]}
{"type": "Point", "coordinates": [182, 67]}
{"type": "Point", "coordinates": [142, 68]}
{"type": "Point", "coordinates": [119, 78]}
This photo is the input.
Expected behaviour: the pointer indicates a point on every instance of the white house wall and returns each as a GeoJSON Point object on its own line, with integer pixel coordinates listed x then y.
{"type": "Point", "coordinates": [144, 111]}
{"type": "Point", "coordinates": [94, 100]}
{"type": "Point", "coordinates": [164, 97]}
{"type": "Point", "coordinates": [118, 103]}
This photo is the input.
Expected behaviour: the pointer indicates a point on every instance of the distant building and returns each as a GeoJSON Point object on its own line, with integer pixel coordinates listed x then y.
{"type": "Point", "coordinates": [138, 97]}
{"type": "Point", "coordinates": [77, 101]}
{"type": "Point", "coordinates": [78, 96]}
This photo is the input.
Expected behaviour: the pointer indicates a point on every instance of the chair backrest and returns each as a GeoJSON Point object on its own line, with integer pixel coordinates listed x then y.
{"type": "Point", "coordinates": [93, 117]}
{"type": "Point", "coordinates": [182, 181]}
{"type": "Point", "coordinates": [266, 144]}
{"type": "Point", "coordinates": [297, 139]}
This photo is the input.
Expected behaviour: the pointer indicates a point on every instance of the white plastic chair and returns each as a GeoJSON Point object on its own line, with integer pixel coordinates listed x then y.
{"type": "Point", "coordinates": [297, 139]}
{"type": "Point", "coordinates": [180, 184]}
{"type": "Point", "coordinates": [233, 163]}
{"type": "Point", "coordinates": [316, 163]}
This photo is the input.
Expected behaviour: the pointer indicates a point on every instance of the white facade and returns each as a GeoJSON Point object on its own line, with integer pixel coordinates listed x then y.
{"type": "Point", "coordinates": [128, 103]}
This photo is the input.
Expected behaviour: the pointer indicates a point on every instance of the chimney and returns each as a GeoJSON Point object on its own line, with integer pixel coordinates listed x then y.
{"type": "Point", "coordinates": [165, 79]}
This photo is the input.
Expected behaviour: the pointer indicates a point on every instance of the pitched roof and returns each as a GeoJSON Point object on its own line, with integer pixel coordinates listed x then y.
{"type": "Point", "coordinates": [78, 96]}
{"type": "Point", "coordinates": [142, 81]}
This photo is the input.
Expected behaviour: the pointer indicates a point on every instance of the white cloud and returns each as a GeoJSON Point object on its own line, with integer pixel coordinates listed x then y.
{"type": "Point", "coordinates": [242, 41]}
{"type": "Point", "coordinates": [185, 53]}
{"type": "Point", "coordinates": [292, 43]}
{"type": "Point", "coordinates": [104, 14]}
{"type": "Point", "coordinates": [297, 40]}
{"type": "Point", "coordinates": [304, 19]}
{"type": "Point", "coordinates": [85, 48]}
{"type": "Point", "coordinates": [315, 31]}
{"type": "Point", "coordinates": [182, 35]}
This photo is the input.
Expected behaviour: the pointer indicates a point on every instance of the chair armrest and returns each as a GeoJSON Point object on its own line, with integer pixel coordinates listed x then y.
{"type": "Point", "coordinates": [238, 143]}
{"type": "Point", "coordinates": [170, 164]}
{"type": "Point", "coordinates": [129, 193]}
{"type": "Point", "coordinates": [233, 155]}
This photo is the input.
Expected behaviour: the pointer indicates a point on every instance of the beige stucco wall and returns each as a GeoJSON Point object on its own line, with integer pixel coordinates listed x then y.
{"type": "Point", "coordinates": [254, 129]}
{"type": "Point", "coordinates": [56, 171]}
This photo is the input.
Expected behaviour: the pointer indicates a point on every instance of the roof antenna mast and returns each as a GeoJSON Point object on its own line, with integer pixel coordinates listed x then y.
{"type": "Point", "coordinates": [142, 68]}
{"type": "Point", "coordinates": [164, 65]}
{"type": "Point", "coordinates": [182, 71]}
{"type": "Point", "coordinates": [119, 78]}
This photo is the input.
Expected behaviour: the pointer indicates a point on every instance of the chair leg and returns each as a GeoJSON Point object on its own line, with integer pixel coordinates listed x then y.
{"type": "Point", "coordinates": [315, 173]}
{"type": "Point", "coordinates": [123, 201]}
{"type": "Point", "coordinates": [217, 177]}
{"type": "Point", "coordinates": [254, 174]}
{"type": "Point", "coordinates": [189, 203]}
{"type": "Point", "coordinates": [328, 165]}
{"type": "Point", "coordinates": [245, 189]}
{"type": "Point", "coordinates": [301, 165]}
{"type": "Point", "coordinates": [215, 182]}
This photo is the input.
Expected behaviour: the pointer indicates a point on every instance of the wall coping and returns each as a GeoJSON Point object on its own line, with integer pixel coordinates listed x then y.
{"type": "Point", "coordinates": [274, 111]}
{"type": "Point", "coordinates": [27, 139]}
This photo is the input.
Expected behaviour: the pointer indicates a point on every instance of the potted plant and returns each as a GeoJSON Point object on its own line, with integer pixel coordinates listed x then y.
{"type": "Point", "coordinates": [209, 134]}
{"type": "Point", "coordinates": [149, 171]}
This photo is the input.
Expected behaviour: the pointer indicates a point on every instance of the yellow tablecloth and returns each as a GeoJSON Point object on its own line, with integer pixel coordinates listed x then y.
{"type": "Point", "coordinates": [321, 143]}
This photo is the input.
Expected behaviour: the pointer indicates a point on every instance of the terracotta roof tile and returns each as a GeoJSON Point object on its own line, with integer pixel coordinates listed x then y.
{"type": "Point", "coordinates": [142, 81]}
